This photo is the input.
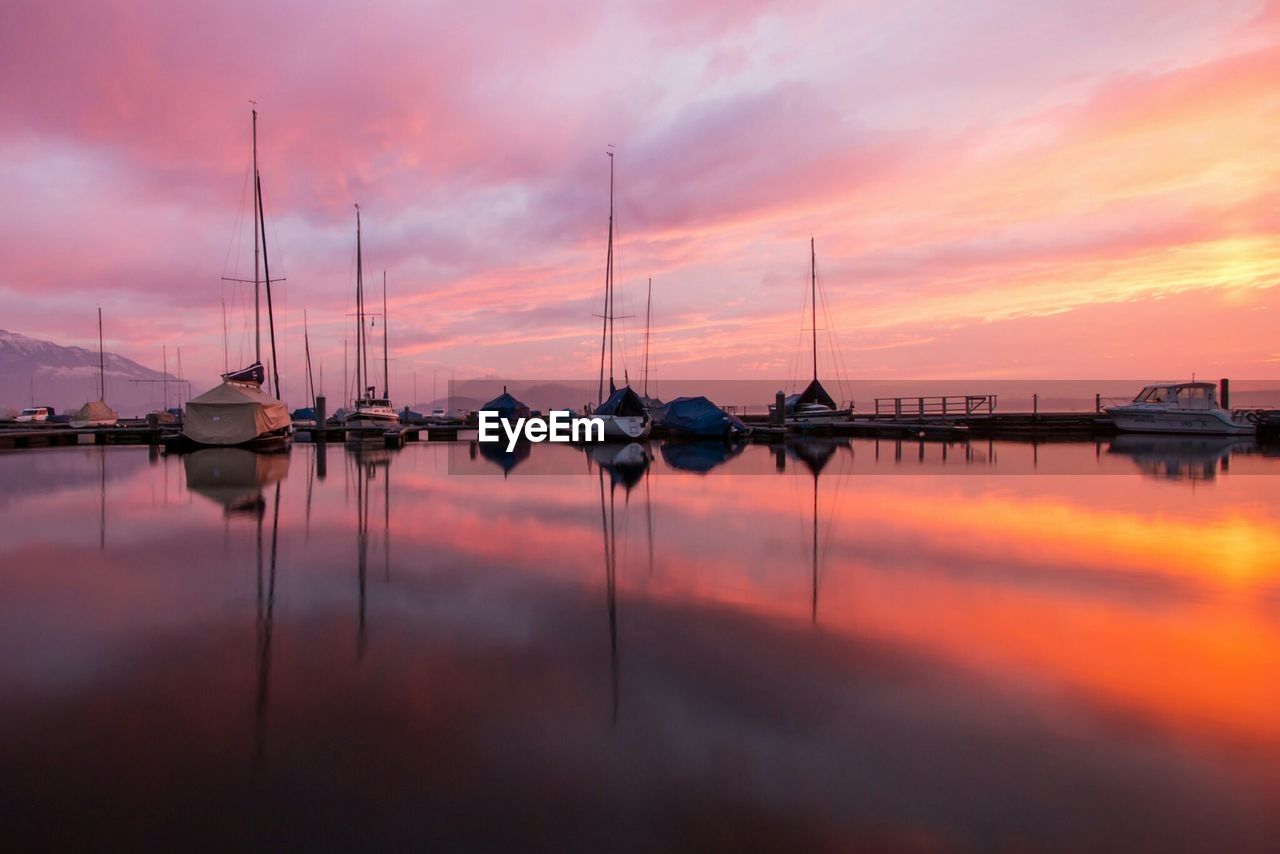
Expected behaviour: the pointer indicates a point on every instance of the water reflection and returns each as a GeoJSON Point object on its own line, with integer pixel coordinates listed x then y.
{"type": "Point", "coordinates": [849, 646]}
{"type": "Point", "coordinates": [1182, 457]}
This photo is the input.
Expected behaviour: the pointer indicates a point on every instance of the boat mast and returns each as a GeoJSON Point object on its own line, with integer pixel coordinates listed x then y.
{"type": "Point", "coordinates": [360, 374]}
{"type": "Point", "coordinates": [257, 285]}
{"type": "Point", "coordinates": [386, 330]}
{"type": "Point", "coordinates": [648, 315]}
{"type": "Point", "coordinates": [813, 299]}
{"type": "Point", "coordinates": [266, 269]}
{"type": "Point", "coordinates": [306, 346]}
{"type": "Point", "coordinates": [608, 287]}
{"type": "Point", "coordinates": [610, 274]}
{"type": "Point", "coordinates": [102, 365]}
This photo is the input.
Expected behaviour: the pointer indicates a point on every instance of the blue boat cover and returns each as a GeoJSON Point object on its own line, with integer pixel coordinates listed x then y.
{"type": "Point", "coordinates": [506, 406]}
{"type": "Point", "coordinates": [698, 416]}
{"type": "Point", "coordinates": [623, 402]}
{"type": "Point", "coordinates": [305, 414]}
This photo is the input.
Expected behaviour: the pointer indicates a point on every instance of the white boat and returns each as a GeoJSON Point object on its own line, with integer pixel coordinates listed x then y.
{"type": "Point", "coordinates": [625, 427]}
{"type": "Point", "coordinates": [1180, 408]}
{"type": "Point", "coordinates": [369, 412]}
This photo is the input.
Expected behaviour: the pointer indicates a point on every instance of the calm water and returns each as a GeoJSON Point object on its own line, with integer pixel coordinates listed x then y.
{"type": "Point", "coordinates": [995, 645]}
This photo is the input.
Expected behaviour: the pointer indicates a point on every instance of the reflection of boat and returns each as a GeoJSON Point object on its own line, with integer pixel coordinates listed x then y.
{"type": "Point", "coordinates": [624, 414]}
{"type": "Point", "coordinates": [234, 477]}
{"type": "Point", "coordinates": [813, 406]}
{"type": "Point", "coordinates": [1180, 408]}
{"type": "Point", "coordinates": [698, 455]}
{"type": "Point", "coordinates": [626, 464]}
{"type": "Point", "coordinates": [96, 413]}
{"type": "Point", "coordinates": [238, 413]}
{"type": "Point", "coordinates": [496, 453]}
{"type": "Point", "coordinates": [698, 416]}
{"type": "Point", "coordinates": [1181, 457]}
{"type": "Point", "coordinates": [815, 452]}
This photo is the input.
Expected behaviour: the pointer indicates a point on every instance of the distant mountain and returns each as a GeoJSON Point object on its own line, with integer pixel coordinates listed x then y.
{"type": "Point", "coordinates": [66, 377]}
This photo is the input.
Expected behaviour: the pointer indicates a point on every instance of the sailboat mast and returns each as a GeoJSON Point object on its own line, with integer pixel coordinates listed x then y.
{"type": "Point", "coordinates": [257, 312]}
{"type": "Point", "coordinates": [608, 274]}
{"type": "Point", "coordinates": [813, 299]}
{"type": "Point", "coordinates": [360, 375]}
{"type": "Point", "coordinates": [306, 346]}
{"type": "Point", "coordinates": [102, 365]}
{"type": "Point", "coordinates": [648, 315]}
{"type": "Point", "coordinates": [386, 331]}
{"type": "Point", "coordinates": [266, 275]}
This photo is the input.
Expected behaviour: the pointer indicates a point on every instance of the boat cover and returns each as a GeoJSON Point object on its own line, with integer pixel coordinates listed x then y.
{"type": "Point", "coordinates": [696, 416]}
{"type": "Point", "coordinates": [623, 402]}
{"type": "Point", "coordinates": [506, 406]}
{"type": "Point", "coordinates": [255, 373]}
{"type": "Point", "coordinates": [813, 393]}
{"type": "Point", "coordinates": [95, 410]}
{"type": "Point", "coordinates": [232, 413]}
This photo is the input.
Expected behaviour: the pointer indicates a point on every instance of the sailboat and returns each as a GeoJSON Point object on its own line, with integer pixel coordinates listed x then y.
{"type": "Point", "coordinates": [813, 405]}
{"type": "Point", "coordinates": [237, 412]}
{"type": "Point", "coordinates": [624, 414]}
{"type": "Point", "coordinates": [96, 413]}
{"type": "Point", "coordinates": [368, 411]}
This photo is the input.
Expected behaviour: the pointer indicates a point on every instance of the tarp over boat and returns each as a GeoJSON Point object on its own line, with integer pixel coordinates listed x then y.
{"type": "Point", "coordinates": [813, 393]}
{"type": "Point", "coordinates": [698, 416]}
{"type": "Point", "coordinates": [506, 406]}
{"type": "Point", "coordinates": [233, 413]}
{"type": "Point", "coordinates": [95, 411]}
{"type": "Point", "coordinates": [623, 402]}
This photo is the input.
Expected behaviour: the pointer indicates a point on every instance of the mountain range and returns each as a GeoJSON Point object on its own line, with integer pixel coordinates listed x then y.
{"type": "Point", "coordinates": [41, 373]}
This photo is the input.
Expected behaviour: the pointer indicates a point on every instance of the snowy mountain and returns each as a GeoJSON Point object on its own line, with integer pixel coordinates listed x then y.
{"type": "Point", "coordinates": [65, 377]}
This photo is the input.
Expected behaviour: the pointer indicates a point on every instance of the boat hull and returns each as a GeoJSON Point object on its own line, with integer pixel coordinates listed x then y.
{"type": "Point", "coordinates": [180, 443]}
{"type": "Point", "coordinates": [1208, 422]}
{"type": "Point", "coordinates": [364, 421]}
{"type": "Point", "coordinates": [624, 428]}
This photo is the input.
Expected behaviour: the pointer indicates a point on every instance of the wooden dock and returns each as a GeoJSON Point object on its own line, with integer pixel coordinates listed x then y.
{"type": "Point", "coordinates": [56, 435]}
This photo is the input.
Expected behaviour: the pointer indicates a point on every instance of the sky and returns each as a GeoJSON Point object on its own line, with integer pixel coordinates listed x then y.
{"type": "Point", "coordinates": [994, 189]}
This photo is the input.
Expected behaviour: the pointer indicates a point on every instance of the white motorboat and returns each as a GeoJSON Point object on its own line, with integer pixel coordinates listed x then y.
{"type": "Point", "coordinates": [1180, 408]}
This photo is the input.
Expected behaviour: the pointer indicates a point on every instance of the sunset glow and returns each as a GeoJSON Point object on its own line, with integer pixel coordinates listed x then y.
{"type": "Point", "coordinates": [1065, 190]}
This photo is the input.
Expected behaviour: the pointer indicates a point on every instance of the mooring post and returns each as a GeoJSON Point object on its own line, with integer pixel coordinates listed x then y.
{"type": "Point", "coordinates": [779, 409]}
{"type": "Point", "coordinates": [1097, 403]}
{"type": "Point", "coordinates": [318, 435]}
{"type": "Point", "coordinates": [1035, 407]}
{"type": "Point", "coordinates": [1224, 393]}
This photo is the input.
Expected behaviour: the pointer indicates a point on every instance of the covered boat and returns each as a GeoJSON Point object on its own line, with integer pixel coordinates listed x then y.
{"type": "Point", "coordinates": [624, 415]}
{"type": "Point", "coordinates": [95, 413]}
{"type": "Point", "coordinates": [236, 414]}
{"type": "Point", "coordinates": [698, 416]}
{"type": "Point", "coordinates": [507, 406]}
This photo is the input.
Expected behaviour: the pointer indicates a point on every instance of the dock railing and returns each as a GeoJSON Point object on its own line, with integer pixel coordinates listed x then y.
{"type": "Point", "coordinates": [939, 406]}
